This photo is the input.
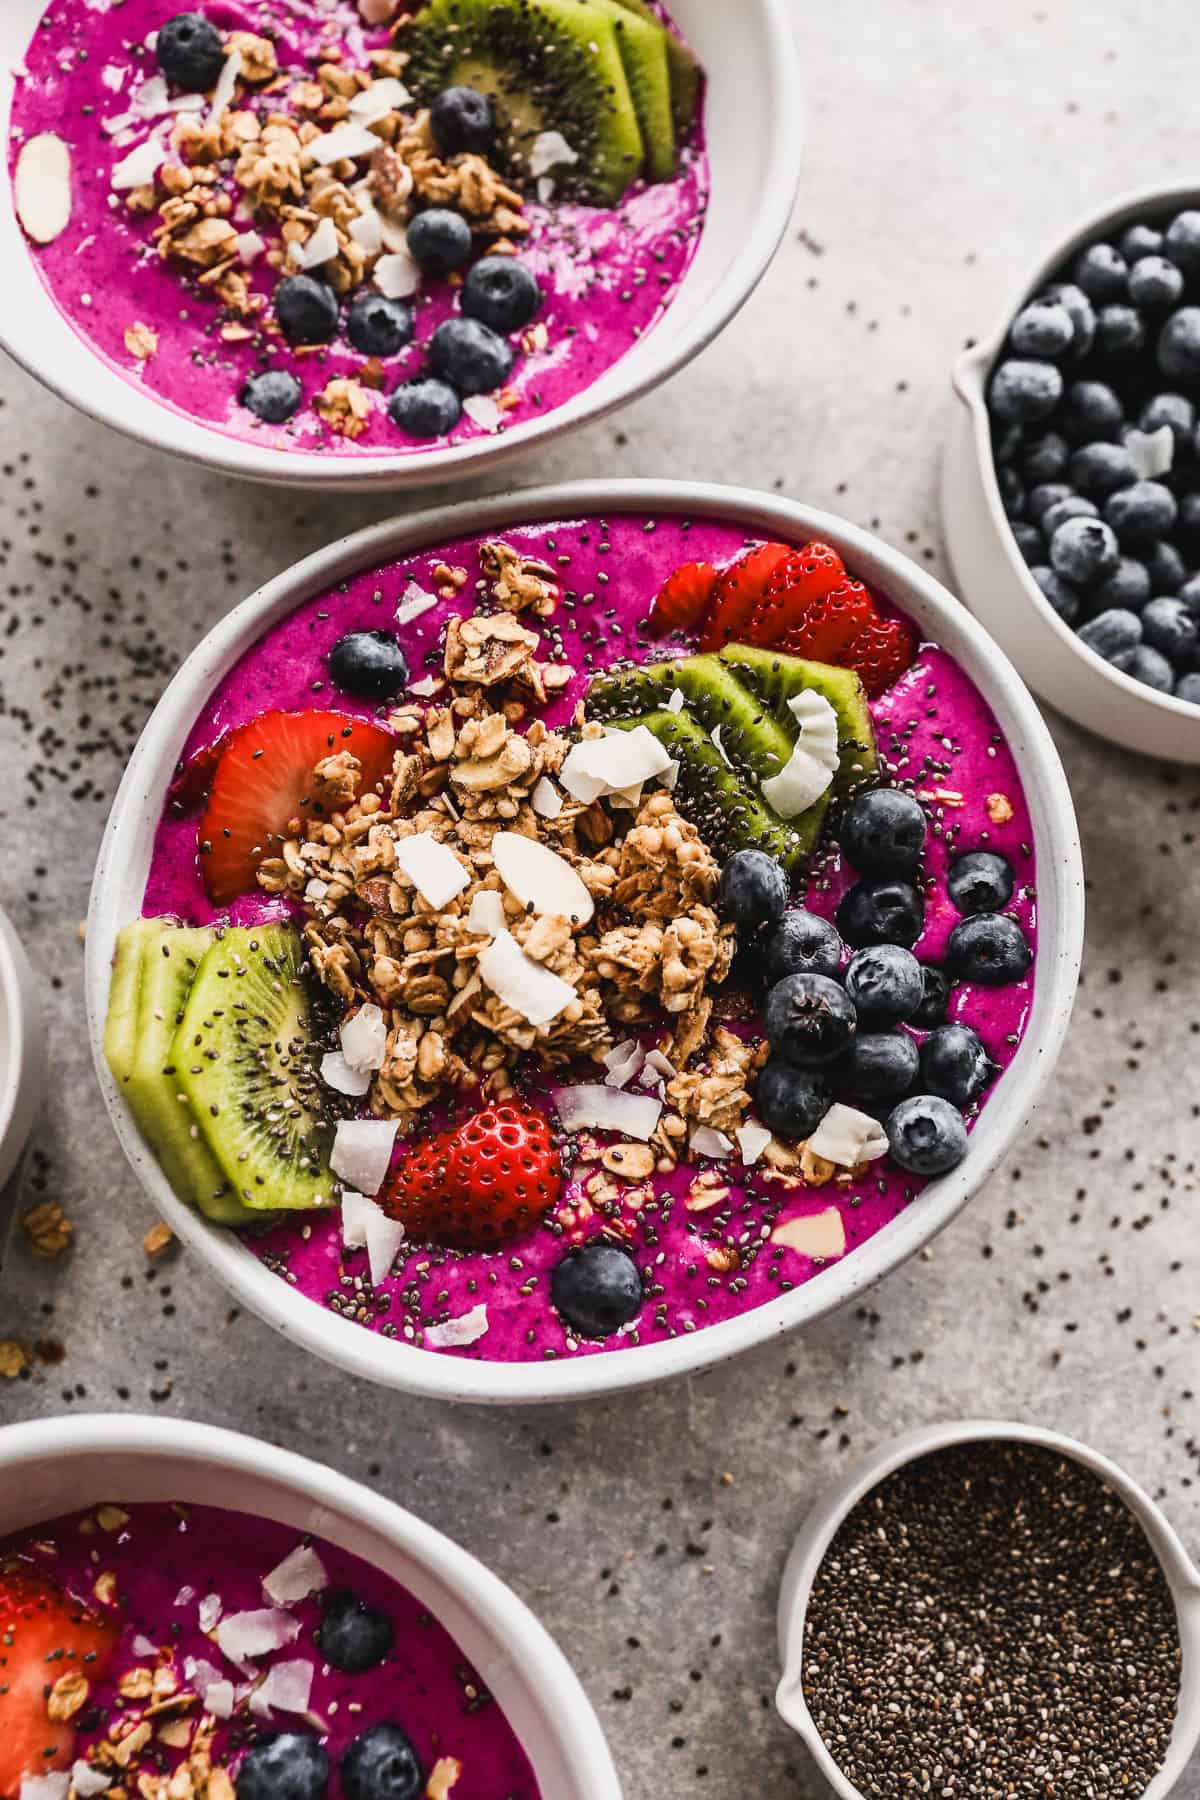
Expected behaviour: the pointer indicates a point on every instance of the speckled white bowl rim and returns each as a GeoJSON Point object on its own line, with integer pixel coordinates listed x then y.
{"type": "Point", "coordinates": [124, 858]}
{"type": "Point", "coordinates": [823, 1523]}
{"type": "Point", "coordinates": [970, 384]}
{"type": "Point", "coordinates": [55, 1466]}
{"type": "Point", "coordinates": [22, 1054]}
{"type": "Point", "coordinates": [755, 125]}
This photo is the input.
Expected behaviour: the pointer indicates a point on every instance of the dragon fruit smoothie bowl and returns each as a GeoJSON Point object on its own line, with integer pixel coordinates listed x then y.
{"type": "Point", "coordinates": [331, 1644]}
{"type": "Point", "coordinates": [372, 242]}
{"type": "Point", "coordinates": [637, 1152]}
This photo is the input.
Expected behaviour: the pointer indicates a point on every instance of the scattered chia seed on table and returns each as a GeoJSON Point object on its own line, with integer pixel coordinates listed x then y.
{"type": "Point", "coordinates": [992, 1621]}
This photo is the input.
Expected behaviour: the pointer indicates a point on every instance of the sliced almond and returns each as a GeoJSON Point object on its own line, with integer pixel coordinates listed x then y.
{"type": "Point", "coordinates": [42, 184]}
{"type": "Point", "coordinates": [541, 878]}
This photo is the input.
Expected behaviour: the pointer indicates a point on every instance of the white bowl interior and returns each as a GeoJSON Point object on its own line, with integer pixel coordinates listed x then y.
{"type": "Point", "coordinates": [753, 123]}
{"type": "Point", "coordinates": [22, 1054]}
{"type": "Point", "coordinates": [124, 861]}
{"type": "Point", "coordinates": [830, 1512]}
{"type": "Point", "coordinates": [61, 1465]}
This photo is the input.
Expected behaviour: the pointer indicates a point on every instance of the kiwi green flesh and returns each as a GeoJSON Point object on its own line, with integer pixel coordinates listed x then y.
{"type": "Point", "coordinates": [685, 70]}
{"type": "Point", "coordinates": [124, 989]}
{"type": "Point", "coordinates": [169, 964]}
{"type": "Point", "coordinates": [725, 811]}
{"type": "Point", "coordinates": [643, 48]}
{"type": "Point", "coordinates": [246, 1055]}
{"type": "Point", "coordinates": [546, 65]}
{"type": "Point", "coordinates": [777, 678]}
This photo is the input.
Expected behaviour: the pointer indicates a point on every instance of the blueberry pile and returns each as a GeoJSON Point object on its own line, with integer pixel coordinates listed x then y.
{"type": "Point", "coordinates": [843, 1029]}
{"type": "Point", "coordinates": [1097, 446]}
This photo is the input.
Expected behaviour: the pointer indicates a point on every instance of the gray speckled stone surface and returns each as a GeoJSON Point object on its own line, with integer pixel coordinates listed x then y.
{"type": "Point", "coordinates": [947, 143]}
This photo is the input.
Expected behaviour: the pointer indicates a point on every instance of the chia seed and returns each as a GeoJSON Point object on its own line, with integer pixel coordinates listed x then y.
{"type": "Point", "coordinates": [992, 1621]}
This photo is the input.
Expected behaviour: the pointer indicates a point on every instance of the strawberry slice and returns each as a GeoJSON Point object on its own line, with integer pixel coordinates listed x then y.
{"type": "Point", "coordinates": [45, 1638]}
{"type": "Point", "coordinates": [880, 654]}
{"type": "Point", "coordinates": [739, 591]}
{"type": "Point", "coordinates": [479, 1186]}
{"type": "Point", "coordinates": [829, 624]}
{"type": "Point", "coordinates": [193, 778]}
{"type": "Point", "coordinates": [264, 780]}
{"type": "Point", "coordinates": [803, 576]}
{"type": "Point", "coordinates": [683, 599]}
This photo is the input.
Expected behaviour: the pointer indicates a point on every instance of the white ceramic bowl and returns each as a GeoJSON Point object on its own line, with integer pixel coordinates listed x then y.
{"type": "Point", "coordinates": [57, 1466]}
{"type": "Point", "coordinates": [823, 1523]}
{"type": "Point", "coordinates": [125, 855]}
{"type": "Point", "coordinates": [991, 572]}
{"type": "Point", "coordinates": [22, 1061]}
{"type": "Point", "coordinates": [753, 118]}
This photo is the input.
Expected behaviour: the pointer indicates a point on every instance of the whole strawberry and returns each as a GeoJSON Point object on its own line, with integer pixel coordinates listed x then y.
{"type": "Point", "coordinates": [481, 1185]}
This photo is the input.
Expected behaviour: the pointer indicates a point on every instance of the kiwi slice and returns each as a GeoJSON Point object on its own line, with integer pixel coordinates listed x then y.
{"type": "Point", "coordinates": [686, 74]}
{"type": "Point", "coordinates": [546, 65]}
{"type": "Point", "coordinates": [643, 47]}
{"type": "Point", "coordinates": [245, 1054]}
{"type": "Point", "coordinates": [751, 736]}
{"type": "Point", "coordinates": [776, 678]}
{"type": "Point", "coordinates": [124, 990]}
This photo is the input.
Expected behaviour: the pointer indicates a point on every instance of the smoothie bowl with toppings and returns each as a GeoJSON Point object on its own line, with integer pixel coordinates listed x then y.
{"type": "Point", "coordinates": [315, 1642]}
{"type": "Point", "coordinates": [570, 939]}
{"type": "Point", "coordinates": [337, 242]}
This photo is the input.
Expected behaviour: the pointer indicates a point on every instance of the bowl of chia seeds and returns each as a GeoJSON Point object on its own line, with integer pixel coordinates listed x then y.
{"type": "Point", "coordinates": [986, 1610]}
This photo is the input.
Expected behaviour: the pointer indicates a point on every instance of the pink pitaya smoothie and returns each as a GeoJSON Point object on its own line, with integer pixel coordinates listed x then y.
{"type": "Point", "coordinates": [170, 1561]}
{"type": "Point", "coordinates": [608, 274]}
{"type": "Point", "coordinates": [936, 735]}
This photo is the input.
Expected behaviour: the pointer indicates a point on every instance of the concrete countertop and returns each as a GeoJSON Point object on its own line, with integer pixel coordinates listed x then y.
{"type": "Point", "coordinates": [947, 144]}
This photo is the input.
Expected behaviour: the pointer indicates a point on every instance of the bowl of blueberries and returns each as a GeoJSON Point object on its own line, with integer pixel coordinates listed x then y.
{"type": "Point", "coordinates": [1071, 483]}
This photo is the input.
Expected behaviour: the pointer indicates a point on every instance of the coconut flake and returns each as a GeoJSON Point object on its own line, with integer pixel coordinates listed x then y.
{"type": "Point", "coordinates": [612, 764]}
{"type": "Point", "coordinates": [42, 187]}
{"type": "Point", "coordinates": [426, 688]}
{"type": "Point", "coordinates": [545, 799]}
{"type": "Point", "coordinates": [705, 1141]}
{"type": "Point", "coordinates": [256, 1633]}
{"type": "Point", "coordinates": [676, 703]}
{"type": "Point", "coordinates": [343, 143]}
{"type": "Point", "coordinates": [231, 68]}
{"type": "Point", "coordinates": [152, 98]}
{"type": "Point", "coordinates": [1151, 452]}
{"type": "Point", "coordinates": [207, 1681]}
{"type": "Point", "coordinates": [486, 915]}
{"type": "Point", "coordinates": [752, 1141]}
{"type": "Point", "coordinates": [414, 602]}
{"type": "Point", "coordinates": [662, 1065]}
{"type": "Point", "coordinates": [365, 1225]}
{"type": "Point", "coordinates": [592, 1106]}
{"type": "Point", "coordinates": [814, 760]}
{"type": "Point", "coordinates": [337, 1073]}
{"type": "Point", "coordinates": [432, 867]}
{"type": "Point", "coordinates": [183, 1598]}
{"type": "Point", "coordinates": [722, 752]}
{"type": "Point", "coordinates": [550, 150]}
{"type": "Point", "coordinates": [46, 1787]}
{"type": "Point", "coordinates": [139, 168]}
{"type": "Point", "coordinates": [362, 1150]}
{"type": "Point", "coordinates": [287, 1688]}
{"type": "Point", "coordinates": [483, 411]}
{"type": "Point", "coordinates": [521, 983]}
{"type": "Point", "coordinates": [218, 1699]}
{"type": "Point", "coordinates": [209, 1611]}
{"type": "Point", "coordinates": [541, 878]}
{"type": "Point", "coordinates": [321, 247]}
{"type": "Point", "coordinates": [300, 1574]}
{"type": "Point", "coordinates": [367, 231]}
{"type": "Point", "coordinates": [848, 1137]}
{"type": "Point", "coordinates": [249, 246]}
{"type": "Point", "coordinates": [468, 1328]}
{"type": "Point", "coordinates": [623, 1063]}
{"type": "Point", "coordinates": [821, 1236]}
{"type": "Point", "coordinates": [364, 1038]}
{"type": "Point", "coordinates": [88, 1780]}
{"type": "Point", "coordinates": [387, 95]}
{"type": "Point", "coordinates": [397, 275]}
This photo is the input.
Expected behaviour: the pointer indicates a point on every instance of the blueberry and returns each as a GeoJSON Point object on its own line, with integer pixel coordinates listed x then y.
{"type": "Point", "coordinates": [1171, 626]}
{"type": "Point", "coordinates": [935, 998]}
{"type": "Point", "coordinates": [1083, 318]}
{"type": "Point", "coordinates": [1128, 587]}
{"type": "Point", "coordinates": [979, 882]}
{"type": "Point", "coordinates": [470, 356]}
{"type": "Point", "coordinates": [272, 396]}
{"type": "Point", "coordinates": [369, 664]}
{"type": "Point", "coordinates": [1091, 409]}
{"type": "Point", "coordinates": [955, 1065]}
{"type": "Point", "coordinates": [1167, 569]}
{"type": "Point", "coordinates": [1141, 513]}
{"type": "Point", "coordinates": [502, 292]}
{"type": "Point", "coordinates": [791, 1101]}
{"type": "Point", "coordinates": [381, 1764]}
{"type": "Point", "coordinates": [190, 52]}
{"type": "Point", "coordinates": [1101, 467]}
{"type": "Point", "coordinates": [1045, 458]}
{"type": "Point", "coordinates": [1188, 688]}
{"type": "Point", "coordinates": [307, 310]}
{"type": "Point", "coordinates": [1047, 494]}
{"type": "Point", "coordinates": [882, 912]}
{"type": "Point", "coordinates": [1043, 328]}
{"type": "Point", "coordinates": [1012, 492]}
{"type": "Point", "coordinates": [1119, 330]}
{"type": "Point", "coordinates": [885, 983]}
{"type": "Point", "coordinates": [1155, 284]}
{"type": "Point", "coordinates": [1101, 272]}
{"type": "Point", "coordinates": [883, 833]}
{"type": "Point", "coordinates": [439, 240]}
{"type": "Point", "coordinates": [1075, 506]}
{"type": "Point", "coordinates": [1023, 392]}
{"type": "Point", "coordinates": [1178, 350]}
{"type": "Point", "coordinates": [1112, 633]}
{"type": "Point", "coordinates": [809, 1020]}
{"type": "Point", "coordinates": [290, 1766]}
{"type": "Point", "coordinates": [880, 1065]}
{"type": "Point", "coordinates": [1175, 410]}
{"type": "Point", "coordinates": [1148, 666]}
{"type": "Point", "coordinates": [927, 1135]}
{"type": "Point", "coordinates": [461, 118]}
{"type": "Point", "coordinates": [754, 889]}
{"type": "Point", "coordinates": [1028, 540]}
{"type": "Point", "coordinates": [352, 1635]}
{"type": "Point", "coordinates": [1060, 594]}
{"type": "Point", "coordinates": [1006, 443]}
{"type": "Point", "coordinates": [425, 409]}
{"type": "Point", "coordinates": [1137, 241]}
{"type": "Point", "coordinates": [990, 949]}
{"type": "Point", "coordinates": [1189, 593]}
{"type": "Point", "coordinates": [1083, 551]}
{"type": "Point", "coordinates": [1189, 517]}
{"type": "Point", "coordinates": [377, 326]}
{"type": "Point", "coordinates": [1182, 242]}
{"type": "Point", "coordinates": [597, 1289]}
{"type": "Point", "coordinates": [802, 944]}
